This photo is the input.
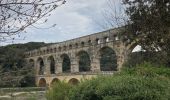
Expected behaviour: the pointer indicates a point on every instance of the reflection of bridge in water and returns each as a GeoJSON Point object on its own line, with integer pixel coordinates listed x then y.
{"type": "Point", "coordinates": [80, 58]}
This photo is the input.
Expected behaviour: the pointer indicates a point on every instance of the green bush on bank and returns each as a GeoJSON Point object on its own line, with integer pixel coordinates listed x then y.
{"type": "Point", "coordinates": [147, 69]}
{"type": "Point", "coordinates": [143, 82]}
{"type": "Point", "coordinates": [123, 87]}
{"type": "Point", "coordinates": [59, 91]}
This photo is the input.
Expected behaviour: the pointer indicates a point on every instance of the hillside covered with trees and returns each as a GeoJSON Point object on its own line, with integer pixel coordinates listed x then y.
{"type": "Point", "coordinates": [13, 69]}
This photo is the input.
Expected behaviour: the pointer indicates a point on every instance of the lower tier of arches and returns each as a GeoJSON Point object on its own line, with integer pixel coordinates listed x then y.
{"type": "Point", "coordinates": [46, 81]}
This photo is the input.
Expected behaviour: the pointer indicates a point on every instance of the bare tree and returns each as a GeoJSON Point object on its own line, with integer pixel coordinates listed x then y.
{"type": "Point", "coordinates": [115, 14]}
{"type": "Point", "coordinates": [16, 15]}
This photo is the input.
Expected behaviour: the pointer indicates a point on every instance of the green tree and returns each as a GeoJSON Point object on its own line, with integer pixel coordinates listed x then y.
{"type": "Point", "coordinates": [14, 71]}
{"type": "Point", "coordinates": [149, 24]}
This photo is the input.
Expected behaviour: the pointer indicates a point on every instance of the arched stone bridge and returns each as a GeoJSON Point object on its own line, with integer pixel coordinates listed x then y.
{"type": "Point", "coordinates": [80, 58]}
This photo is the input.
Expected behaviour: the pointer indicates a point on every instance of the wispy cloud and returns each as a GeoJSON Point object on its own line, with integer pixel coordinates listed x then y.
{"type": "Point", "coordinates": [74, 19]}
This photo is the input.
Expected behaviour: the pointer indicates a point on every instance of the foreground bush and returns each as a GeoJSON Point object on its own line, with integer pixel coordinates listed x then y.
{"type": "Point", "coordinates": [143, 82]}
{"type": "Point", "coordinates": [59, 91]}
{"type": "Point", "coordinates": [123, 87]}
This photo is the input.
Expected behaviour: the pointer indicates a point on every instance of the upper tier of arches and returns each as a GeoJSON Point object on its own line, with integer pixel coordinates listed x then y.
{"type": "Point", "coordinates": [105, 58]}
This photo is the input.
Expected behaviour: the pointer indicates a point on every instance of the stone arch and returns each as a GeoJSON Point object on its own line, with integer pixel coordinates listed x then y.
{"type": "Point", "coordinates": [48, 50]}
{"type": "Point", "coordinates": [70, 46]}
{"type": "Point", "coordinates": [42, 82]}
{"type": "Point", "coordinates": [108, 59]}
{"type": "Point", "coordinates": [136, 48]}
{"type": "Point", "coordinates": [106, 39]}
{"type": "Point", "coordinates": [51, 50]}
{"type": "Point", "coordinates": [55, 80]}
{"type": "Point", "coordinates": [89, 42]}
{"type": "Point", "coordinates": [132, 46]}
{"type": "Point", "coordinates": [76, 45]}
{"type": "Point", "coordinates": [64, 48]}
{"type": "Point", "coordinates": [31, 63]}
{"type": "Point", "coordinates": [82, 44]}
{"type": "Point", "coordinates": [66, 63]}
{"type": "Point", "coordinates": [44, 51]}
{"type": "Point", "coordinates": [59, 49]}
{"type": "Point", "coordinates": [55, 50]}
{"type": "Point", "coordinates": [41, 66]}
{"type": "Point", "coordinates": [74, 81]}
{"type": "Point", "coordinates": [83, 61]}
{"type": "Point", "coordinates": [52, 64]}
{"type": "Point", "coordinates": [98, 41]}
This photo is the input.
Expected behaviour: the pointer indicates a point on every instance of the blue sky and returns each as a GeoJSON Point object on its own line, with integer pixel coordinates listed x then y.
{"type": "Point", "coordinates": [74, 19]}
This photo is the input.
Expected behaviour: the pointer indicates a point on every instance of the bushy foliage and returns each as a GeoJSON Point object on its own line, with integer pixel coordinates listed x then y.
{"type": "Point", "coordinates": [148, 70]}
{"type": "Point", "coordinates": [143, 82]}
{"type": "Point", "coordinates": [140, 57]}
{"type": "Point", "coordinates": [59, 91]}
{"type": "Point", "coordinates": [13, 69]}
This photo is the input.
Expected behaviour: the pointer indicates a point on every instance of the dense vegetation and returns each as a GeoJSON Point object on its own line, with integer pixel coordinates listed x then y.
{"type": "Point", "coordinates": [140, 57]}
{"type": "Point", "coordinates": [148, 25]}
{"type": "Point", "coordinates": [13, 69]}
{"type": "Point", "coordinates": [143, 82]}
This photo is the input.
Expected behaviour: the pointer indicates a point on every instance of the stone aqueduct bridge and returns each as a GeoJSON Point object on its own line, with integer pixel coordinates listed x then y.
{"type": "Point", "coordinates": [65, 60]}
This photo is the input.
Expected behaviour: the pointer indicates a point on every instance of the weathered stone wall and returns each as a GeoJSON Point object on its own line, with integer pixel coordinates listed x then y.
{"type": "Point", "coordinates": [90, 44]}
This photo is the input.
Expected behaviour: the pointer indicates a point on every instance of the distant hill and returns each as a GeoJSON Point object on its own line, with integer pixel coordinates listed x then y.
{"type": "Point", "coordinates": [26, 47]}
{"type": "Point", "coordinates": [12, 55]}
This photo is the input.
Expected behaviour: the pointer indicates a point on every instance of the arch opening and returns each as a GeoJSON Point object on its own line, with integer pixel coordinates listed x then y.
{"type": "Point", "coordinates": [76, 45]}
{"type": "Point", "coordinates": [97, 41]}
{"type": "Point", "coordinates": [42, 82]}
{"type": "Point", "coordinates": [41, 66]}
{"type": "Point", "coordinates": [54, 81]}
{"type": "Point", "coordinates": [82, 44]}
{"type": "Point", "coordinates": [89, 42]}
{"type": "Point", "coordinates": [66, 64]}
{"type": "Point", "coordinates": [108, 59]}
{"type": "Point", "coordinates": [136, 48]}
{"type": "Point", "coordinates": [74, 81]}
{"type": "Point", "coordinates": [106, 39]}
{"type": "Point", "coordinates": [84, 61]}
{"type": "Point", "coordinates": [64, 48]}
{"type": "Point", "coordinates": [31, 63]}
{"type": "Point", "coordinates": [52, 64]}
{"type": "Point", "coordinates": [59, 49]}
{"type": "Point", "coordinates": [70, 46]}
{"type": "Point", "coordinates": [55, 50]}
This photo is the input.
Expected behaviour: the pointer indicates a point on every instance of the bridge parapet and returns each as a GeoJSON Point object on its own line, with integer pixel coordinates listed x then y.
{"type": "Point", "coordinates": [79, 73]}
{"type": "Point", "coordinates": [85, 41]}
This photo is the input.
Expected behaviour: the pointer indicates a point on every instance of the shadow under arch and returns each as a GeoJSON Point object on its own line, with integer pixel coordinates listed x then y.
{"type": "Point", "coordinates": [108, 59]}
{"type": "Point", "coordinates": [66, 63]}
{"type": "Point", "coordinates": [41, 66]}
{"type": "Point", "coordinates": [52, 64]}
{"type": "Point", "coordinates": [83, 61]}
{"type": "Point", "coordinates": [54, 81]}
{"type": "Point", "coordinates": [74, 81]}
{"type": "Point", "coordinates": [42, 82]}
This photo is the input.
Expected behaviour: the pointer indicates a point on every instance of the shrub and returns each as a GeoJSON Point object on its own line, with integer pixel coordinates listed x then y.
{"type": "Point", "coordinates": [148, 70]}
{"type": "Point", "coordinates": [59, 91]}
{"type": "Point", "coordinates": [143, 82]}
{"type": "Point", "coordinates": [122, 87]}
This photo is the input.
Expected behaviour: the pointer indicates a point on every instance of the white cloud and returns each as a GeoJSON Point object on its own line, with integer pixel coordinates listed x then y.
{"type": "Point", "coordinates": [74, 19]}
